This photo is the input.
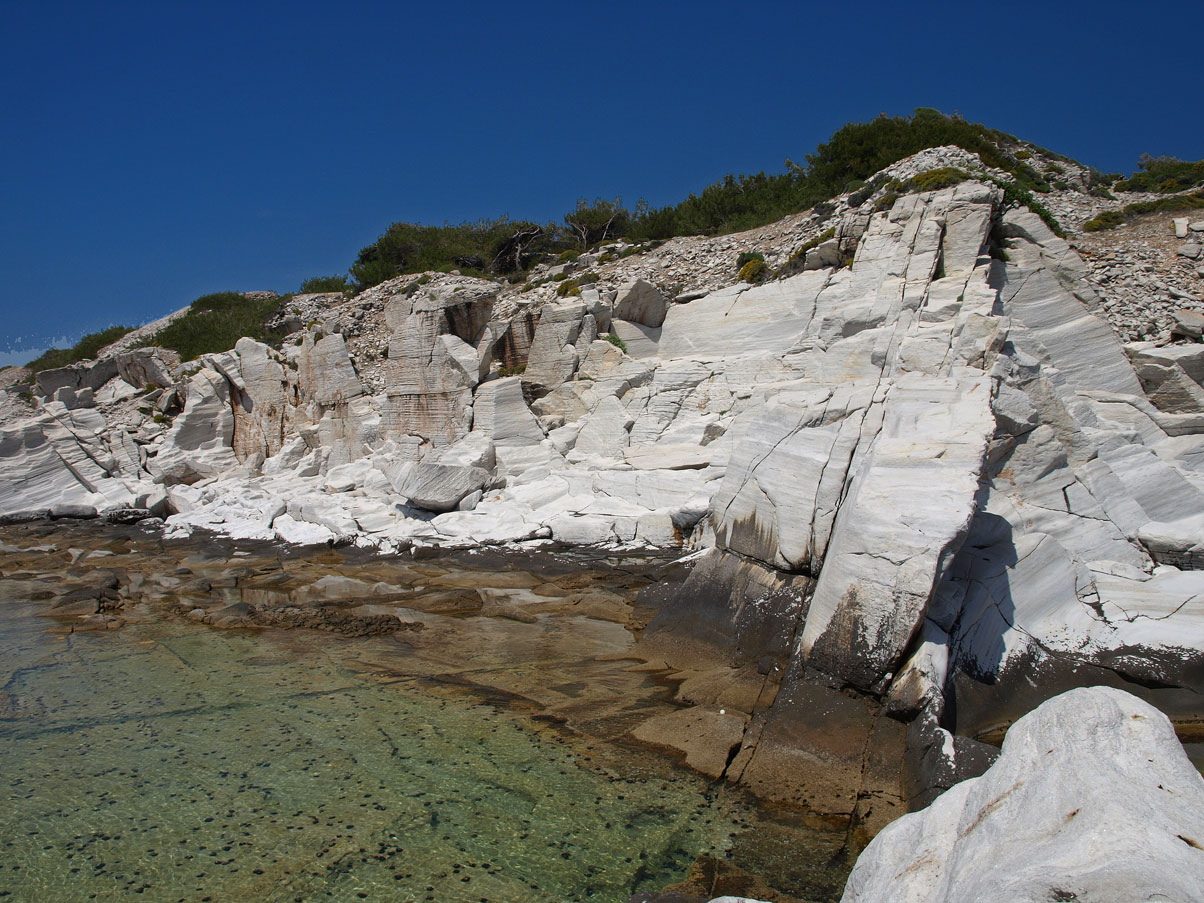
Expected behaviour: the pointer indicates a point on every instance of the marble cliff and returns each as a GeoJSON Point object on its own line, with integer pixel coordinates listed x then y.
{"type": "Point", "coordinates": [924, 492]}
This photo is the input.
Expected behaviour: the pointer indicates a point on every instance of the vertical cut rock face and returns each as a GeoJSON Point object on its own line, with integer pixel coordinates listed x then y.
{"type": "Point", "coordinates": [905, 515]}
{"type": "Point", "coordinates": [434, 363]}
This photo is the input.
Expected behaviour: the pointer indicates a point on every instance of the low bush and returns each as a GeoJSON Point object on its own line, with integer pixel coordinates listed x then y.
{"type": "Point", "coordinates": [317, 284]}
{"type": "Point", "coordinates": [1015, 195]}
{"type": "Point", "coordinates": [487, 247]}
{"type": "Point", "coordinates": [886, 201]}
{"type": "Point", "coordinates": [815, 242]}
{"type": "Point", "coordinates": [216, 322]}
{"type": "Point", "coordinates": [936, 179]}
{"type": "Point", "coordinates": [1107, 219]}
{"type": "Point", "coordinates": [573, 286]}
{"type": "Point", "coordinates": [746, 257]}
{"type": "Point", "coordinates": [1164, 175]}
{"type": "Point", "coordinates": [616, 341]}
{"type": "Point", "coordinates": [1167, 205]}
{"type": "Point", "coordinates": [1110, 219]}
{"type": "Point", "coordinates": [85, 349]}
{"type": "Point", "coordinates": [754, 271]}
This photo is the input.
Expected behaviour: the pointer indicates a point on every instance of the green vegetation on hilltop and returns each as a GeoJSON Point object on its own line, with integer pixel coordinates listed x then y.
{"type": "Point", "coordinates": [1165, 175]}
{"type": "Point", "coordinates": [216, 322]}
{"type": "Point", "coordinates": [316, 284]}
{"type": "Point", "coordinates": [854, 153]}
{"type": "Point", "coordinates": [85, 349]}
{"type": "Point", "coordinates": [486, 247]}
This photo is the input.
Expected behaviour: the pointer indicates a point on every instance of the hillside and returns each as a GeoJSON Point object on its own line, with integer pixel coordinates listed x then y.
{"type": "Point", "coordinates": [935, 463]}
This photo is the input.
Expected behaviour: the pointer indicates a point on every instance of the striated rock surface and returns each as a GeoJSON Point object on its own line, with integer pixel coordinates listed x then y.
{"type": "Point", "coordinates": [1092, 799]}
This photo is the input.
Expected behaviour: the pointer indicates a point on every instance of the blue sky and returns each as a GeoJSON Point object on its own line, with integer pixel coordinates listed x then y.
{"type": "Point", "coordinates": [154, 152]}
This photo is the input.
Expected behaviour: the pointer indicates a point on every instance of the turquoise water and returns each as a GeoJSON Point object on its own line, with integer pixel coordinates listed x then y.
{"type": "Point", "coordinates": [176, 762]}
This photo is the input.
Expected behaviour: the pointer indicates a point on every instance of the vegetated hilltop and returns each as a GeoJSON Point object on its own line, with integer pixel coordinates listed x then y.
{"type": "Point", "coordinates": [736, 203]}
{"type": "Point", "coordinates": [520, 251]}
{"type": "Point", "coordinates": [514, 249]}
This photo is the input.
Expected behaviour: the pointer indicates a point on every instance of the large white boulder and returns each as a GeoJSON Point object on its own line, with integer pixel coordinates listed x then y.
{"type": "Point", "coordinates": [436, 487]}
{"type": "Point", "coordinates": [639, 301]}
{"type": "Point", "coordinates": [1093, 799]}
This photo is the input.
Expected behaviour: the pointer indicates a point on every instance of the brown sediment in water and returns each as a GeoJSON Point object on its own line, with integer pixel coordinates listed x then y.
{"type": "Point", "coordinates": [542, 633]}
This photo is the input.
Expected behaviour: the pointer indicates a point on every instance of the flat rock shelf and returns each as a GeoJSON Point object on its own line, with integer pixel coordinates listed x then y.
{"type": "Point", "coordinates": [464, 751]}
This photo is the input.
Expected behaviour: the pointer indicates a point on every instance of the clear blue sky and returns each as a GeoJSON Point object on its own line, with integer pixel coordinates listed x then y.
{"type": "Point", "coordinates": [154, 152]}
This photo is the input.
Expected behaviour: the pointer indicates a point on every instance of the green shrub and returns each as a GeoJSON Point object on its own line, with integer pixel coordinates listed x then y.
{"type": "Point", "coordinates": [1016, 196]}
{"type": "Point", "coordinates": [1165, 175]}
{"type": "Point", "coordinates": [754, 271]}
{"type": "Point", "coordinates": [600, 221]}
{"type": "Point", "coordinates": [886, 201]}
{"type": "Point", "coordinates": [85, 349]}
{"type": "Point", "coordinates": [1028, 178]}
{"type": "Point", "coordinates": [413, 285]}
{"type": "Point", "coordinates": [573, 286]}
{"type": "Point", "coordinates": [1108, 219]}
{"type": "Point", "coordinates": [814, 243]}
{"type": "Point", "coordinates": [1167, 205]}
{"type": "Point", "coordinates": [616, 341]}
{"type": "Point", "coordinates": [486, 247]}
{"type": "Point", "coordinates": [568, 256]}
{"type": "Point", "coordinates": [324, 284]}
{"type": "Point", "coordinates": [516, 370]}
{"type": "Point", "coordinates": [216, 322]}
{"type": "Point", "coordinates": [936, 179]}
{"type": "Point", "coordinates": [798, 259]}
{"type": "Point", "coordinates": [746, 257]}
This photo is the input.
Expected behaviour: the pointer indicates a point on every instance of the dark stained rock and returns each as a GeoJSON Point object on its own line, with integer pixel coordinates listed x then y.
{"type": "Point", "coordinates": [730, 611]}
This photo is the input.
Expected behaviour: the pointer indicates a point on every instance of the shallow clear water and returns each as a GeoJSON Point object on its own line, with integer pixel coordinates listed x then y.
{"type": "Point", "coordinates": [183, 763]}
